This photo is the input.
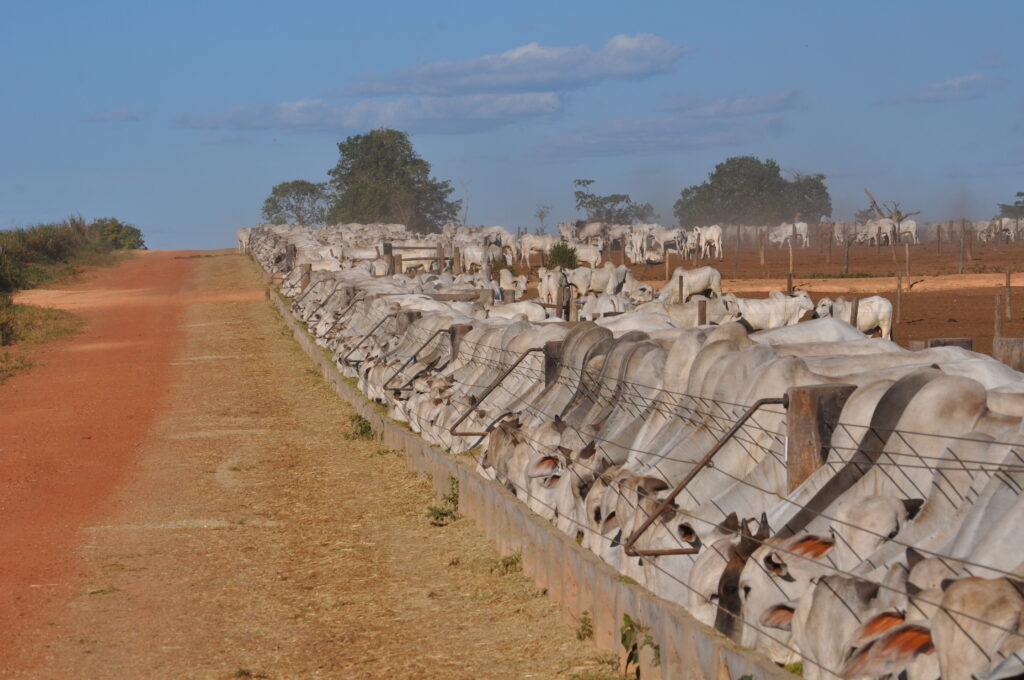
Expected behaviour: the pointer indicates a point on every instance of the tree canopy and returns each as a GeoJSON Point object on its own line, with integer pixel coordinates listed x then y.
{"type": "Point", "coordinates": [380, 178]}
{"type": "Point", "coordinates": [297, 201]}
{"type": "Point", "coordinates": [746, 190]}
{"type": "Point", "coordinates": [117, 234]}
{"type": "Point", "coordinates": [1015, 209]}
{"type": "Point", "coordinates": [612, 209]}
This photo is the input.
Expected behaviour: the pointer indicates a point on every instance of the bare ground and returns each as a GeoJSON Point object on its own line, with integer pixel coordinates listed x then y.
{"type": "Point", "coordinates": [254, 538]}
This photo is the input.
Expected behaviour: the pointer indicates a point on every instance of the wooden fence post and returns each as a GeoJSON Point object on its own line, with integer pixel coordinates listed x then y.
{"type": "Point", "coordinates": [456, 260]}
{"type": "Point", "coordinates": [999, 317]}
{"type": "Point", "coordinates": [854, 308]}
{"type": "Point", "coordinates": [736, 257]}
{"type": "Point", "coordinates": [679, 290]}
{"type": "Point", "coordinates": [963, 237]}
{"type": "Point", "coordinates": [573, 311]}
{"type": "Point", "coordinates": [789, 283]}
{"type": "Point", "coordinates": [440, 260]}
{"type": "Point", "coordinates": [667, 270]}
{"type": "Point", "coordinates": [702, 312]}
{"type": "Point", "coordinates": [811, 416]}
{"type": "Point", "coordinates": [791, 258]}
{"type": "Point", "coordinates": [899, 295]}
{"type": "Point", "coordinates": [1009, 292]}
{"type": "Point", "coordinates": [906, 254]}
{"type": "Point", "coordinates": [761, 240]}
{"type": "Point", "coordinates": [398, 263]}
{"type": "Point", "coordinates": [508, 295]}
{"type": "Point", "coordinates": [846, 255]}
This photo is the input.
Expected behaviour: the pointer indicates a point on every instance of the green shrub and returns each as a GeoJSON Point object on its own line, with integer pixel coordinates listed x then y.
{"type": "Point", "coordinates": [361, 427]}
{"type": "Point", "coordinates": [448, 511]}
{"type": "Point", "coordinates": [36, 254]}
{"type": "Point", "coordinates": [7, 332]}
{"type": "Point", "coordinates": [562, 255]}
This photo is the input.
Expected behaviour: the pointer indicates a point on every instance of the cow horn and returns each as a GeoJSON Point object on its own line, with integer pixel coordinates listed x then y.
{"type": "Point", "coordinates": [913, 506]}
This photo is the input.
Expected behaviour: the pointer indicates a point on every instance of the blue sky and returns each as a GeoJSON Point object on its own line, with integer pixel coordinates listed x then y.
{"type": "Point", "coordinates": [180, 117]}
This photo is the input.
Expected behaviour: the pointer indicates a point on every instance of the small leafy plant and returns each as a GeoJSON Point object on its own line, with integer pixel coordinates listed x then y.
{"type": "Point", "coordinates": [509, 564]}
{"type": "Point", "coordinates": [448, 511]}
{"type": "Point", "coordinates": [585, 629]}
{"type": "Point", "coordinates": [635, 636]}
{"type": "Point", "coordinates": [361, 427]}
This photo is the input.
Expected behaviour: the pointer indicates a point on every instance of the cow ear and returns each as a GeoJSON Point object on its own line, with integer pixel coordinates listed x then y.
{"type": "Point", "coordinates": [890, 652]}
{"type": "Point", "coordinates": [811, 546]}
{"type": "Point", "coordinates": [587, 451]}
{"type": "Point", "coordinates": [779, 616]}
{"type": "Point", "coordinates": [876, 625]}
{"type": "Point", "coordinates": [913, 506]}
{"type": "Point", "coordinates": [730, 524]}
{"type": "Point", "coordinates": [914, 557]}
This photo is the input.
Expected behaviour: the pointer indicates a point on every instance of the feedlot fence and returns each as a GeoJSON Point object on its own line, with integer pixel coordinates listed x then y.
{"type": "Point", "coordinates": [576, 578]}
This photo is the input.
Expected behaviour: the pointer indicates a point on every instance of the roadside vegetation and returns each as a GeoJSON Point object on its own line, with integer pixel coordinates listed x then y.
{"type": "Point", "coordinates": [35, 255]}
{"type": "Point", "coordinates": [43, 253]}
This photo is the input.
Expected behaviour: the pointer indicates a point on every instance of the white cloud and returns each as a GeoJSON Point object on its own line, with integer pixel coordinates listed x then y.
{"type": "Point", "coordinates": [960, 88]}
{"type": "Point", "coordinates": [729, 106]}
{"type": "Point", "coordinates": [468, 113]}
{"type": "Point", "coordinates": [533, 67]}
{"type": "Point", "coordinates": [122, 114]}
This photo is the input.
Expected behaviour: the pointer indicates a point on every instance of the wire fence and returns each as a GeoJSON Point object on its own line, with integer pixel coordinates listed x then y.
{"type": "Point", "coordinates": [601, 407]}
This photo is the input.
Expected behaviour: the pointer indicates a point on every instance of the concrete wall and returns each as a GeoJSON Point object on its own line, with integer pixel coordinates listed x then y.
{"type": "Point", "coordinates": [574, 578]}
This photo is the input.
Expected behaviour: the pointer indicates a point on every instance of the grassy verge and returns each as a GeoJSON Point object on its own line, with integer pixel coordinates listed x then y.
{"type": "Point", "coordinates": [28, 327]}
{"type": "Point", "coordinates": [60, 273]}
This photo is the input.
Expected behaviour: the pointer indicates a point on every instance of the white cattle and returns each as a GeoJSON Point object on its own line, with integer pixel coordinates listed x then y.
{"type": "Point", "coordinates": [479, 257]}
{"type": "Point", "coordinates": [597, 306]}
{"type": "Point", "coordinates": [691, 282]}
{"type": "Point", "coordinates": [786, 231]}
{"type": "Point", "coordinates": [591, 254]}
{"type": "Point", "coordinates": [774, 311]}
{"type": "Point", "coordinates": [534, 243]}
{"type": "Point", "coordinates": [873, 312]}
{"type": "Point", "coordinates": [710, 241]}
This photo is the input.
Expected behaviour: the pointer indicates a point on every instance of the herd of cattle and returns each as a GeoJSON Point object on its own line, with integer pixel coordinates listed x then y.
{"type": "Point", "coordinates": [895, 556]}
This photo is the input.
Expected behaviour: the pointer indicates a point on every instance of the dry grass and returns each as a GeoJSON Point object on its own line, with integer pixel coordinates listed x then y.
{"type": "Point", "coordinates": [258, 540]}
{"type": "Point", "coordinates": [26, 327]}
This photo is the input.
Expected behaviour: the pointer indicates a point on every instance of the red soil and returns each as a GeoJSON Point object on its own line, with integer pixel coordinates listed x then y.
{"type": "Point", "coordinates": [70, 426]}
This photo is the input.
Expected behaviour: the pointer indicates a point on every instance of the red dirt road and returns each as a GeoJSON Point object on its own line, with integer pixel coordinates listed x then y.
{"type": "Point", "coordinates": [69, 427]}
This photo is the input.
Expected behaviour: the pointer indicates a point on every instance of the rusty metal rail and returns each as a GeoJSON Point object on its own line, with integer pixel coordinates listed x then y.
{"type": "Point", "coordinates": [704, 462]}
{"type": "Point", "coordinates": [410, 360]}
{"type": "Point", "coordinates": [478, 400]}
{"type": "Point", "coordinates": [344, 313]}
{"type": "Point", "coordinates": [377, 325]}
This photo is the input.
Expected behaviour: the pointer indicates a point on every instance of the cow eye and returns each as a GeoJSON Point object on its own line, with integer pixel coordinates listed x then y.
{"type": "Point", "coordinates": [892, 534]}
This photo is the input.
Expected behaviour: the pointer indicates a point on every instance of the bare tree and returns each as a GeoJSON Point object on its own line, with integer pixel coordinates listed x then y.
{"type": "Point", "coordinates": [541, 214]}
{"type": "Point", "coordinates": [892, 211]}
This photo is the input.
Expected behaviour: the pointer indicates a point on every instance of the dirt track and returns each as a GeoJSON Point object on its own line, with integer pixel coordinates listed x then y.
{"type": "Point", "coordinates": [218, 523]}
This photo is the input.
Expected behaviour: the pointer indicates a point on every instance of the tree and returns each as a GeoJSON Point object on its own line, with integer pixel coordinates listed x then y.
{"type": "Point", "coordinates": [541, 213]}
{"type": "Point", "coordinates": [117, 234]}
{"type": "Point", "coordinates": [747, 190]}
{"type": "Point", "coordinates": [891, 211]}
{"type": "Point", "coordinates": [297, 201]}
{"type": "Point", "coordinates": [612, 209]}
{"type": "Point", "coordinates": [1014, 210]}
{"type": "Point", "coordinates": [380, 178]}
